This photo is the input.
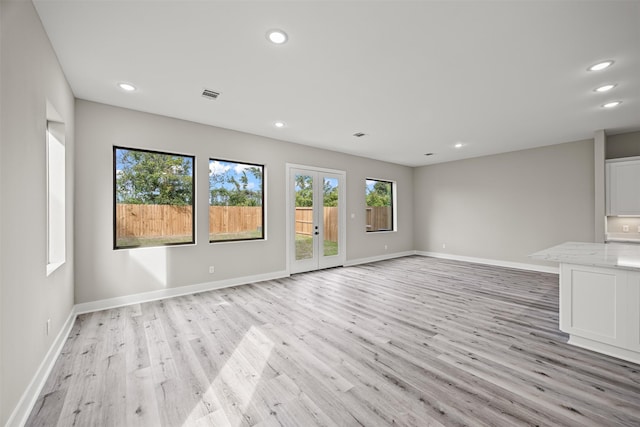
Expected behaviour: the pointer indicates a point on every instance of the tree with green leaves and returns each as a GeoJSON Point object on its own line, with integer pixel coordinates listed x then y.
{"type": "Point", "coordinates": [379, 194]}
{"type": "Point", "coordinates": [304, 191]}
{"type": "Point", "coordinates": [330, 194]}
{"type": "Point", "coordinates": [229, 190]}
{"type": "Point", "coordinates": [150, 178]}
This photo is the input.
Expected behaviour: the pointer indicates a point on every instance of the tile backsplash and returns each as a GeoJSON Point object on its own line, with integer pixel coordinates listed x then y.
{"type": "Point", "coordinates": [616, 227]}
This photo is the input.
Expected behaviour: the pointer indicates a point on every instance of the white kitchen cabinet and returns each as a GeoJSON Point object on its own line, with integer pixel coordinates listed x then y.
{"type": "Point", "coordinates": [592, 302]}
{"type": "Point", "coordinates": [599, 296]}
{"type": "Point", "coordinates": [634, 315]}
{"type": "Point", "coordinates": [623, 186]}
{"type": "Point", "coordinates": [600, 309]}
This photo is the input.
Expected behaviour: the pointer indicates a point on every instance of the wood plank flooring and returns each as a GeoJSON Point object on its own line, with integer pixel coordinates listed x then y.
{"type": "Point", "coordinates": [414, 341]}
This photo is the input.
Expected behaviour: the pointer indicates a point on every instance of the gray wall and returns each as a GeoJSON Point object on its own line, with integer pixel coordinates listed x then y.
{"type": "Point", "coordinates": [506, 206]}
{"type": "Point", "coordinates": [30, 76]}
{"type": "Point", "coordinates": [104, 273]}
{"type": "Point", "coordinates": [623, 145]}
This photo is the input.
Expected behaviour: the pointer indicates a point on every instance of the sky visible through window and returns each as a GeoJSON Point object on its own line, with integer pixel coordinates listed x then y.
{"type": "Point", "coordinates": [235, 184]}
{"type": "Point", "coordinates": [235, 198]}
{"type": "Point", "coordinates": [235, 170]}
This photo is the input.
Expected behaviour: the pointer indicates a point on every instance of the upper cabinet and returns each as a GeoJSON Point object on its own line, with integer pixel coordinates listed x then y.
{"type": "Point", "coordinates": [623, 186]}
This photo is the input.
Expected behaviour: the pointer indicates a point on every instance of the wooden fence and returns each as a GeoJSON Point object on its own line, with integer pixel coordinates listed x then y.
{"type": "Point", "coordinates": [379, 218]}
{"type": "Point", "coordinates": [153, 220]}
{"type": "Point", "coordinates": [168, 220]}
{"type": "Point", "coordinates": [304, 222]}
{"type": "Point", "coordinates": [234, 219]}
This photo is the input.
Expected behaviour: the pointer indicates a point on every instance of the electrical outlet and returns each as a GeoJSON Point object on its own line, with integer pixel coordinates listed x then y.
{"type": "Point", "coordinates": [385, 247]}
{"type": "Point", "coordinates": [48, 326]}
{"type": "Point", "coordinates": [625, 228]}
{"type": "Point", "coordinates": [212, 269]}
{"type": "Point", "coordinates": [444, 246]}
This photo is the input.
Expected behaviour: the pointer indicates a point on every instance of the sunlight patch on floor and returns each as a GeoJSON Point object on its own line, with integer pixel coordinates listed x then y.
{"type": "Point", "coordinates": [236, 383]}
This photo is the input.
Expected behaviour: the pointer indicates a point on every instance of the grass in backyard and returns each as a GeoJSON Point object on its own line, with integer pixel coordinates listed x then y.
{"type": "Point", "coordinates": [141, 242]}
{"type": "Point", "coordinates": [221, 237]}
{"type": "Point", "coordinates": [304, 247]}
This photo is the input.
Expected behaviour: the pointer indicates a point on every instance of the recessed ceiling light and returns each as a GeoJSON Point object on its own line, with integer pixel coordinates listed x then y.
{"type": "Point", "coordinates": [277, 36]}
{"type": "Point", "coordinates": [459, 145]}
{"type": "Point", "coordinates": [605, 88]}
{"type": "Point", "coordinates": [127, 86]}
{"type": "Point", "coordinates": [612, 104]}
{"type": "Point", "coordinates": [279, 124]}
{"type": "Point", "coordinates": [601, 65]}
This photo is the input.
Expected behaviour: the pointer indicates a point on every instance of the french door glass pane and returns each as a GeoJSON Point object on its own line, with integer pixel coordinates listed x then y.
{"type": "Point", "coordinates": [330, 215]}
{"type": "Point", "coordinates": [304, 216]}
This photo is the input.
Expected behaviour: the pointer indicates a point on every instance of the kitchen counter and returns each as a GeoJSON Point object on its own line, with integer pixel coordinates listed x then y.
{"type": "Point", "coordinates": [625, 256]}
{"type": "Point", "coordinates": [599, 296]}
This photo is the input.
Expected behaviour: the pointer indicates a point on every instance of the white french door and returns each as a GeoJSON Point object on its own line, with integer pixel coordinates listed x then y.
{"type": "Point", "coordinates": [315, 218]}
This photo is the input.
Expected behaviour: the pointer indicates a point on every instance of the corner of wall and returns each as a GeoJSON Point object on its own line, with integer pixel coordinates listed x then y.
{"type": "Point", "coordinates": [599, 149]}
{"type": "Point", "coordinates": [2, 415]}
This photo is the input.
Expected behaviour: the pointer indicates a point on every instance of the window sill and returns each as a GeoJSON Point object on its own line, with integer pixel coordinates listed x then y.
{"type": "Point", "coordinates": [176, 245]}
{"type": "Point", "coordinates": [53, 267]}
{"type": "Point", "coordinates": [226, 242]}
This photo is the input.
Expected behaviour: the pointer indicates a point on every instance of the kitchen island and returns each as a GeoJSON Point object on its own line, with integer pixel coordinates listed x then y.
{"type": "Point", "coordinates": [599, 296]}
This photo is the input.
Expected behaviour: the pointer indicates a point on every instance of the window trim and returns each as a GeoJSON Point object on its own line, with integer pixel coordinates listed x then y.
{"type": "Point", "coordinates": [394, 223]}
{"type": "Point", "coordinates": [193, 198]}
{"type": "Point", "coordinates": [263, 202]}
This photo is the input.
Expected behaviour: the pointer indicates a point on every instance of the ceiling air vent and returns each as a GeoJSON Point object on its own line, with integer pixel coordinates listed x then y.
{"type": "Point", "coordinates": [210, 94]}
{"type": "Point", "coordinates": [359, 134]}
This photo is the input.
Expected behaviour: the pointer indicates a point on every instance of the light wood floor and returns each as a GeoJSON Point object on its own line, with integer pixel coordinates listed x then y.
{"type": "Point", "coordinates": [413, 341]}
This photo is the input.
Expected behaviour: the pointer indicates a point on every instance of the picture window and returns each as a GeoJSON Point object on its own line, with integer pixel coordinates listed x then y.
{"type": "Point", "coordinates": [236, 201]}
{"type": "Point", "coordinates": [153, 198]}
{"type": "Point", "coordinates": [380, 204]}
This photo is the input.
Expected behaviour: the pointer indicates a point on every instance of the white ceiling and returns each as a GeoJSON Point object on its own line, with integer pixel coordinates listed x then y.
{"type": "Point", "coordinates": [416, 77]}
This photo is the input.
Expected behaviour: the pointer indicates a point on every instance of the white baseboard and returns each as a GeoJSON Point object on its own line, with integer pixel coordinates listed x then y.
{"type": "Point", "coordinates": [495, 262]}
{"type": "Point", "coordinates": [378, 258]}
{"type": "Point", "coordinates": [609, 350]}
{"type": "Point", "coordinates": [30, 396]}
{"type": "Point", "coordinates": [88, 307]}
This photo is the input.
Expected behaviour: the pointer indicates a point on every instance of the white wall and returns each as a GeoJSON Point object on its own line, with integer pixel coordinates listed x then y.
{"type": "Point", "coordinates": [506, 206]}
{"type": "Point", "coordinates": [102, 272]}
{"type": "Point", "coordinates": [30, 76]}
